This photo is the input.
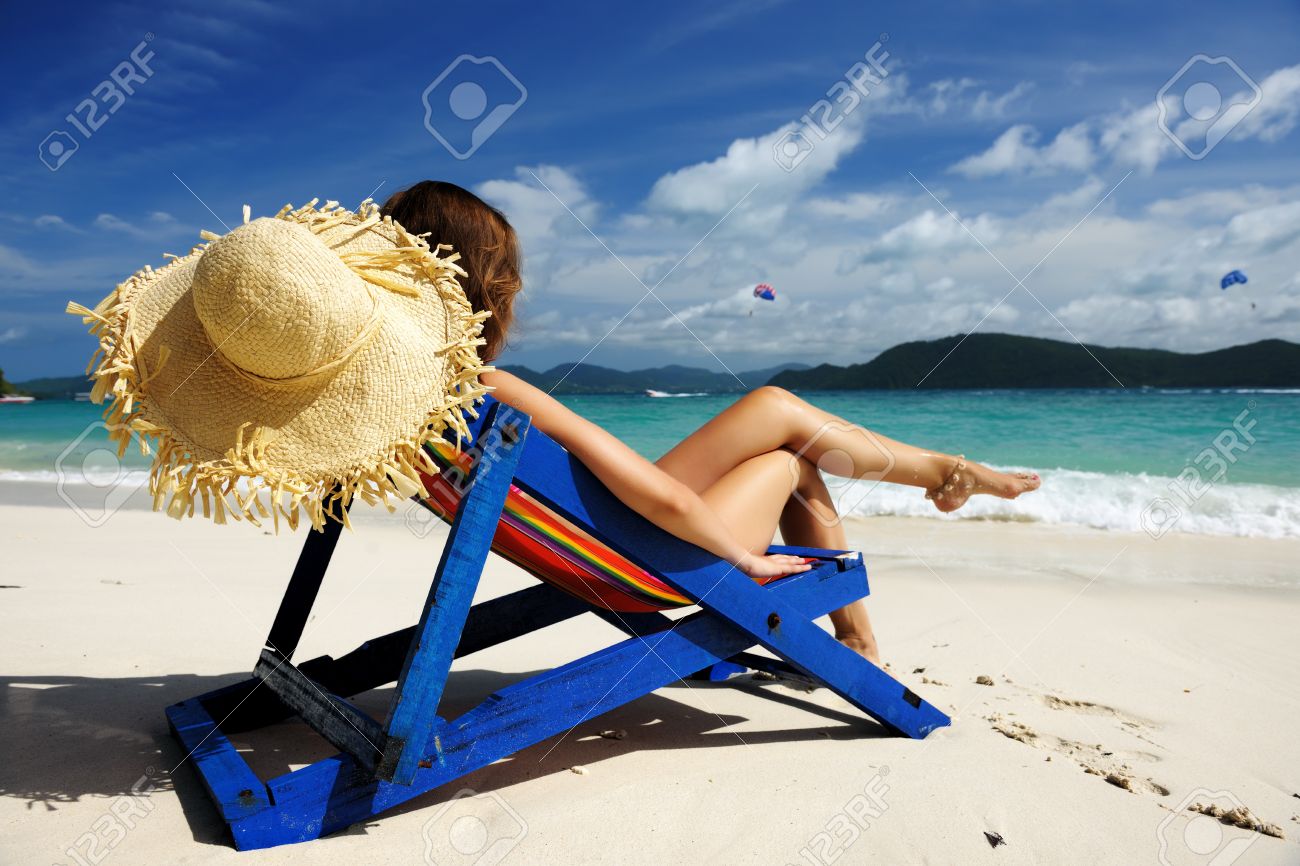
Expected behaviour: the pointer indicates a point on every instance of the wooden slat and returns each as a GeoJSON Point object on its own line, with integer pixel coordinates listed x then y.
{"type": "Point", "coordinates": [343, 725]}
{"type": "Point", "coordinates": [237, 792]}
{"type": "Point", "coordinates": [783, 629]}
{"type": "Point", "coordinates": [420, 686]}
{"type": "Point", "coordinates": [247, 705]}
{"type": "Point", "coordinates": [300, 594]}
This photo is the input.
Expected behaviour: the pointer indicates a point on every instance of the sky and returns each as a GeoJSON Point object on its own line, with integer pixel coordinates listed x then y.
{"type": "Point", "coordinates": [897, 173]}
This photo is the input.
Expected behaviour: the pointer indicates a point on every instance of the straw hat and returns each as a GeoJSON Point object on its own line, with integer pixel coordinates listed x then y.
{"type": "Point", "coordinates": [289, 366]}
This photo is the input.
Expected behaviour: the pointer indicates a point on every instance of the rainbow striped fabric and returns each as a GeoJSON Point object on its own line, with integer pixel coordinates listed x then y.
{"type": "Point", "coordinates": [551, 547]}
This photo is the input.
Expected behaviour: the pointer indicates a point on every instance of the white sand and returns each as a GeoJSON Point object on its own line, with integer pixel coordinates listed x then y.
{"type": "Point", "coordinates": [1183, 684]}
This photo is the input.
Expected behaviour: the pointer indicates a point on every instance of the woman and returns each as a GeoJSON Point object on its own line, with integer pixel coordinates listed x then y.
{"type": "Point", "coordinates": [729, 485]}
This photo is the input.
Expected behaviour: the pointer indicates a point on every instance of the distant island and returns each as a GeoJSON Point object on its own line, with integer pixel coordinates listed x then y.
{"type": "Point", "coordinates": [58, 388]}
{"type": "Point", "coordinates": [978, 361]}
{"type": "Point", "coordinates": [1008, 361]}
{"type": "Point", "coordinates": [590, 379]}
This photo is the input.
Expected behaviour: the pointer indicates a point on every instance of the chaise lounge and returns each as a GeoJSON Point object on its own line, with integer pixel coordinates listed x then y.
{"type": "Point", "coordinates": [519, 493]}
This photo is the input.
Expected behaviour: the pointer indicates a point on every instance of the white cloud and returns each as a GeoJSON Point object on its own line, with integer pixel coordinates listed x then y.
{"type": "Point", "coordinates": [990, 107]}
{"type": "Point", "coordinates": [750, 168]}
{"type": "Point", "coordinates": [1279, 106]}
{"type": "Point", "coordinates": [855, 206]}
{"type": "Point", "coordinates": [1263, 231]}
{"type": "Point", "coordinates": [1077, 201]}
{"type": "Point", "coordinates": [960, 98]}
{"type": "Point", "coordinates": [1133, 137]}
{"type": "Point", "coordinates": [12, 335]}
{"type": "Point", "coordinates": [536, 200]}
{"type": "Point", "coordinates": [1080, 71]}
{"type": "Point", "coordinates": [931, 232]}
{"type": "Point", "coordinates": [1215, 204]}
{"type": "Point", "coordinates": [944, 93]}
{"type": "Point", "coordinates": [1115, 281]}
{"type": "Point", "coordinates": [883, 265]}
{"type": "Point", "coordinates": [15, 264]}
{"type": "Point", "coordinates": [158, 224]}
{"type": "Point", "coordinates": [1015, 152]}
{"type": "Point", "coordinates": [52, 221]}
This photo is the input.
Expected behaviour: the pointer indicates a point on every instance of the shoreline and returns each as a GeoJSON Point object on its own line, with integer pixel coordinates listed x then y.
{"type": "Point", "coordinates": [1177, 557]}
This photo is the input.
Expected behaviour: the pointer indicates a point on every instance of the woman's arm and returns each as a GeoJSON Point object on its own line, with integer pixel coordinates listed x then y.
{"type": "Point", "coordinates": [638, 483]}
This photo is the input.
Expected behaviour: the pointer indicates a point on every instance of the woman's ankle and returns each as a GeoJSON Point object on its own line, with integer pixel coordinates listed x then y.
{"type": "Point", "coordinates": [863, 645]}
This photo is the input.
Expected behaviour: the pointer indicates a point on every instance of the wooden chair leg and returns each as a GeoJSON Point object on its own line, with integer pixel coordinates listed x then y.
{"type": "Point", "coordinates": [420, 685]}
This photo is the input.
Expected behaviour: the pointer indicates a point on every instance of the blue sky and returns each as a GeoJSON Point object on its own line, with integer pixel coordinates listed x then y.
{"type": "Point", "coordinates": [1004, 142]}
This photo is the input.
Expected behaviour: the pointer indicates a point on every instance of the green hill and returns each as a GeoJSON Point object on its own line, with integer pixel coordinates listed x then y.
{"type": "Point", "coordinates": [5, 386]}
{"type": "Point", "coordinates": [57, 388]}
{"type": "Point", "coordinates": [1008, 361]}
{"type": "Point", "coordinates": [591, 379]}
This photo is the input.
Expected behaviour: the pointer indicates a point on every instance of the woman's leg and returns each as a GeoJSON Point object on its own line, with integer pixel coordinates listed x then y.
{"type": "Point", "coordinates": [780, 488]}
{"type": "Point", "coordinates": [769, 419]}
{"type": "Point", "coordinates": [810, 520]}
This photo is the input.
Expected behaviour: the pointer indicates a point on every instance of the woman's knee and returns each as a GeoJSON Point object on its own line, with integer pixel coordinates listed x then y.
{"type": "Point", "coordinates": [775, 407]}
{"type": "Point", "coordinates": [808, 480]}
{"type": "Point", "coordinates": [772, 394]}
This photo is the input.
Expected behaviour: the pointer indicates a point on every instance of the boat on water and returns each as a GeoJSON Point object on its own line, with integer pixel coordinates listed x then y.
{"type": "Point", "coordinates": [15, 398]}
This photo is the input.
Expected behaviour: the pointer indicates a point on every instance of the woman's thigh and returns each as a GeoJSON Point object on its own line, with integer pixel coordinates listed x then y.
{"type": "Point", "coordinates": [752, 426]}
{"type": "Point", "coordinates": [750, 498]}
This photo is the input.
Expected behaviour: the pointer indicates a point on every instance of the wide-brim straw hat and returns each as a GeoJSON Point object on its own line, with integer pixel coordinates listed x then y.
{"type": "Point", "coordinates": [290, 366]}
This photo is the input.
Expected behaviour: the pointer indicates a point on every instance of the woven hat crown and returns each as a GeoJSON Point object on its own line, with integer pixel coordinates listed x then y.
{"type": "Point", "coordinates": [277, 301]}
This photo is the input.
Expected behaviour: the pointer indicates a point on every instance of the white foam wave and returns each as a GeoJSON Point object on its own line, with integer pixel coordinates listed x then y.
{"type": "Point", "coordinates": [95, 478]}
{"type": "Point", "coordinates": [1121, 501]}
{"type": "Point", "coordinates": [1104, 501]}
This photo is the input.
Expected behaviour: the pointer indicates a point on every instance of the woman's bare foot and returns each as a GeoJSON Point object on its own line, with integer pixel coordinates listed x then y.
{"type": "Point", "coordinates": [863, 646]}
{"type": "Point", "coordinates": [967, 479]}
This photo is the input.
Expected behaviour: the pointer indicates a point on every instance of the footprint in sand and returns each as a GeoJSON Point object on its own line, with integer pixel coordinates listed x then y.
{"type": "Point", "coordinates": [1112, 765]}
{"type": "Point", "coordinates": [1133, 725]}
{"type": "Point", "coordinates": [1056, 702]}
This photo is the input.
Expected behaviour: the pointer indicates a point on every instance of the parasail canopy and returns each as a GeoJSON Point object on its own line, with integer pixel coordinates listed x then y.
{"type": "Point", "coordinates": [1232, 278]}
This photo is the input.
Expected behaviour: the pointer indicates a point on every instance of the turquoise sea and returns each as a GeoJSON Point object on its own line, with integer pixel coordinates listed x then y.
{"type": "Point", "coordinates": [1106, 455]}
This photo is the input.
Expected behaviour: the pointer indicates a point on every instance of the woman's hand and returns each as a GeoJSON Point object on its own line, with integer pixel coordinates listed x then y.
{"type": "Point", "coordinates": [772, 565]}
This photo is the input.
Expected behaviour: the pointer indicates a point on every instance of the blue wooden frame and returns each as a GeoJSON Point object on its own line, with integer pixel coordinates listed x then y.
{"type": "Point", "coordinates": [381, 765]}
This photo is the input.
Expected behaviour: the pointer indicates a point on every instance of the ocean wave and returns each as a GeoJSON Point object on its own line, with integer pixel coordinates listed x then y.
{"type": "Point", "coordinates": [96, 478]}
{"type": "Point", "coordinates": [1186, 391]}
{"type": "Point", "coordinates": [1120, 501]}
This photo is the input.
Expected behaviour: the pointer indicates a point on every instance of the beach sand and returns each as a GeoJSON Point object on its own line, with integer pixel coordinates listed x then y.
{"type": "Point", "coordinates": [1128, 683]}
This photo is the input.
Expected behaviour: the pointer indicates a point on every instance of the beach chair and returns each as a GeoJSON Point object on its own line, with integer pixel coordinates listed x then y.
{"type": "Point", "coordinates": [520, 492]}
